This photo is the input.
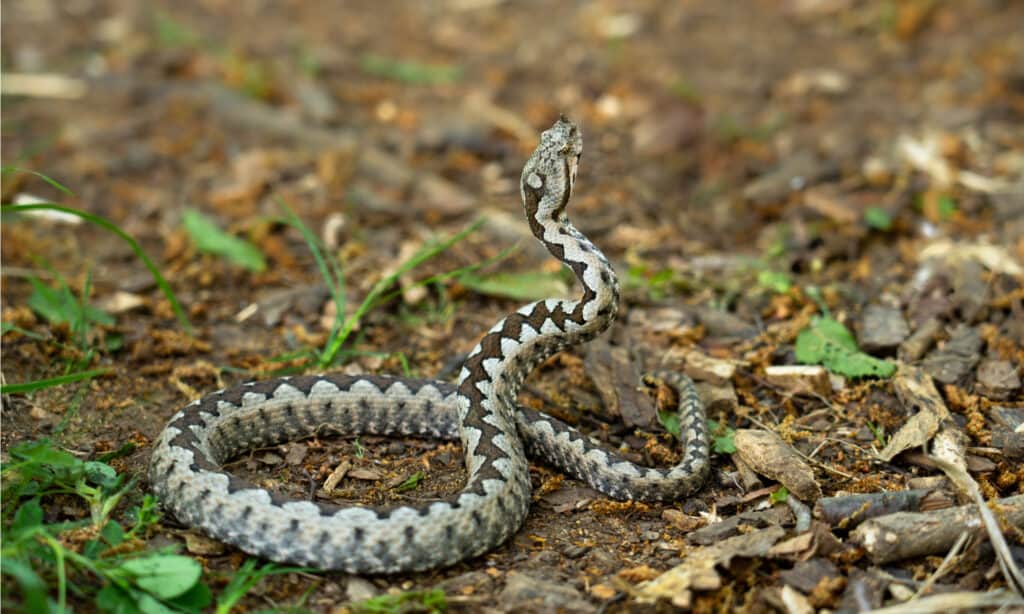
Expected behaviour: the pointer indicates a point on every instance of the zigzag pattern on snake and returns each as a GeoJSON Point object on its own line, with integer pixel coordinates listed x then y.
{"type": "Point", "coordinates": [480, 410]}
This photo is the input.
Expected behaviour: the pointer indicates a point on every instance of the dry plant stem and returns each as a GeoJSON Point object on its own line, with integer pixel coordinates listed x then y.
{"type": "Point", "coordinates": [849, 511]}
{"type": "Point", "coordinates": [944, 566]}
{"type": "Point", "coordinates": [906, 535]}
{"type": "Point", "coordinates": [956, 602]}
{"type": "Point", "coordinates": [958, 475]}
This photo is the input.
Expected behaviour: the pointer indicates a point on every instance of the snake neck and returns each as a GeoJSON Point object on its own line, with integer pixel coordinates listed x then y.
{"type": "Point", "coordinates": [496, 368]}
{"type": "Point", "coordinates": [494, 371]}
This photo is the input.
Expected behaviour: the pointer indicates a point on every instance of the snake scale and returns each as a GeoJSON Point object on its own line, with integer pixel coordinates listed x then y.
{"type": "Point", "coordinates": [480, 410]}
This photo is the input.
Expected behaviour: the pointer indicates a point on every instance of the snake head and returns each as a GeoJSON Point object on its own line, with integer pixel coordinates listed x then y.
{"type": "Point", "coordinates": [550, 173]}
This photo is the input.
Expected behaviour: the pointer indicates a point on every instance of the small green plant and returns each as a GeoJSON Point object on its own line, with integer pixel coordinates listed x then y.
{"type": "Point", "coordinates": [411, 482]}
{"type": "Point", "coordinates": [656, 283]}
{"type": "Point", "coordinates": [878, 218]}
{"type": "Point", "coordinates": [730, 128]}
{"type": "Point", "coordinates": [246, 577]}
{"type": "Point", "coordinates": [358, 449]}
{"type": "Point", "coordinates": [946, 207]}
{"type": "Point", "coordinates": [779, 495]}
{"type": "Point", "coordinates": [669, 420]}
{"type": "Point", "coordinates": [209, 238]}
{"type": "Point", "coordinates": [173, 33]}
{"type": "Point", "coordinates": [409, 72]}
{"type": "Point", "coordinates": [343, 326]}
{"type": "Point", "coordinates": [96, 558]}
{"type": "Point", "coordinates": [722, 437]}
{"type": "Point", "coordinates": [685, 90]}
{"type": "Point", "coordinates": [99, 559]}
{"type": "Point", "coordinates": [432, 601]}
{"type": "Point", "coordinates": [59, 305]}
{"type": "Point", "coordinates": [105, 224]}
{"type": "Point", "coordinates": [776, 281]}
{"type": "Point", "coordinates": [827, 342]}
{"type": "Point", "coordinates": [878, 430]}
{"type": "Point", "coordinates": [523, 286]}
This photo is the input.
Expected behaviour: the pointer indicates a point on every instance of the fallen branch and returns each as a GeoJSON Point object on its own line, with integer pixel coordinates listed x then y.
{"type": "Point", "coordinates": [905, 535]}
{"type": "Point", "coordinates": [849, 511]}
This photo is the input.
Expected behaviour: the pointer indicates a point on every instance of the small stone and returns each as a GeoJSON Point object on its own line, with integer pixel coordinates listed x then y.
{"type": "Point", "coordinates": [467, 584]}
{"type": "Point", "coordinates": [704, 368]}
{"type": "Point", "coordinates": [202, 545]}
{"type": "Point", "coordinates": [723, 325]}
{"type": "Point", "coordinates": [805, 575]}
{"type": "Point", "coordinates": [717, 399]}
{"type": "Point", "coordinates": [270, 458]}
{"type": "Point", "coordinates": [359, 589]}
{"type": "Point", "coordinates": [956, 359]}
{"type": "Point", "coordinates": [799, 379]}
{"type": "Point", "coordinates": [681, 520]}
{"type": "Point", "coordinates": [796, 172]}
{"type": "Point", "coordinates": [882, 329]}
{"type": "Point", "coordinates": [921, 341]}
{"type": "Point", "coordinates": [296, 453]}
{"type": "Point", "coordinates": [526, 593]}
{"type": "Point", "coordinates": [998, 379]}
{"type": "Point", "coordinates": [121, 302]}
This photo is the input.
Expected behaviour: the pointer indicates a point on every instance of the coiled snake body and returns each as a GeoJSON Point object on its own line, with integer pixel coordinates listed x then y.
{"type": "Point", "coordinates": [480, 410]}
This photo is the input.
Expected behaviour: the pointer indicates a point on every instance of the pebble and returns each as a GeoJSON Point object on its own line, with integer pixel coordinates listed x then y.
{"type": "Point", "coordinates": [202, 545]}
{"type": "Point", "coordinates": [998, 379]}
{"type": "Point", "coordinates": [955, 360]}
{"type": "Point", "coordinates": [467, 583]}
{"type": "Point", "coordinates": [359, 589]}
{"type": "Point", "coordinates": [524, 593]}
{"type": "Point", "coordinates": [704, 368]}
{"type": "Point", "coordinates": [799, 379]}
{"type": "Point", "coordinates": [882, 329]}
{"type": "Point", "coordinates": [795, 173]}
{"type": "Point", "coordinates": [717, 399]}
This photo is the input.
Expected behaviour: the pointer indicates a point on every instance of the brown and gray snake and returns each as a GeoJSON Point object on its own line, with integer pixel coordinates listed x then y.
{"type": "Point", "coordinates": [480, 410]}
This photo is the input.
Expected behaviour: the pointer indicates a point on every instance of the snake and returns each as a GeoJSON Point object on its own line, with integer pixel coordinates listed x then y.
{"type": "Point", "coordinates": [480, 410]}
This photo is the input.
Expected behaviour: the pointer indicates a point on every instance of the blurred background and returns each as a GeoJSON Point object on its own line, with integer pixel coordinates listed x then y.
{"type": "Point", "coordinates": [746, 165]}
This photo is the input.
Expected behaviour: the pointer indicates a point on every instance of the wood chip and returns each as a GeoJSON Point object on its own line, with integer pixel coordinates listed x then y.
{"type": "Point", "coordinates": [196, 543]}
{"type": "Point", "coordinates": [704, 368]}
{"type": "Point", "coordinates": [365, 473]}
{"type": "Point", "coordinates": [799, 379]}
{"type": "Point", "coordinates": [881, 329]}
{"type": "Point", "coordinates": [336, 476]}
{"type": "Point", "coordinates": [681, 520]}
{"type": "Point", "coordinates": [718, 399]}
{"type": "Point", "coordinates": [915, 390]}
{"type": "Point", "coordinates": [296, 453]}
{"type": "Point", "coordinates": [906, 535]}
{"type": "Point", "coordinates": [766, 453]}
{"type": "Point", "coordinates": [998, 379]}
{"type": "Point", "coordinates": [698, 570]}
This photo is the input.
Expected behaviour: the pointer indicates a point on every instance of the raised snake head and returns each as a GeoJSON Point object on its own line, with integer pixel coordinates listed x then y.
{"type": "Point", "coordinates": [550, 173]}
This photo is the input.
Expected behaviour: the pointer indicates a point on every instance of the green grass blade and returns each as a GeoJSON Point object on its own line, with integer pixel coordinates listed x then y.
{"type": "Point", "coordinates": [50, 180]}
{"type": "Point", "coordinates": [60, 380]}
{"type": "Point", "coordinates": [106, 224]}
{"type": "Point", "coordinates": [425, 253]}
{"type": "Point", "coordinates": [209, 238]}
{"type": "Point", "coordinates": [332, 273]}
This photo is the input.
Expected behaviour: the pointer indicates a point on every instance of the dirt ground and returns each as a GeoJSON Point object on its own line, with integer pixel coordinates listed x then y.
{"type": "Point", "coordinates": [746, 164]}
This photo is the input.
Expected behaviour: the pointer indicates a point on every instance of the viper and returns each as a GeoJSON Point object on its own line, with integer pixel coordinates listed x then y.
{"type": "Point", "coordinates": [480, 410]}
